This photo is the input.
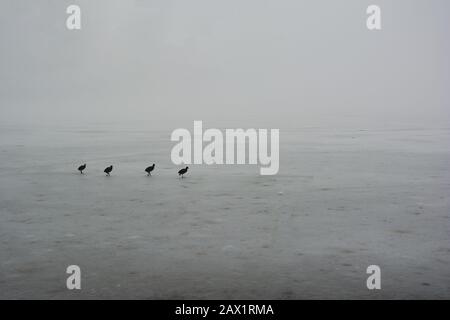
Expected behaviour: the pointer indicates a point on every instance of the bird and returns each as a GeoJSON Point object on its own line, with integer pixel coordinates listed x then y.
{"type": "Point", "coordinates": [81, 168]}
{"type": "Point", "coordinates": [150, 169]}
{"type": "Point", "coordinates": [183, 171]}
{"type": "Point", "coordinates": [108, 170]}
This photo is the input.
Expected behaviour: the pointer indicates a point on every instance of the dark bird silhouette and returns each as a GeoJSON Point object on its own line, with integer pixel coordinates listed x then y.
{"type": "Point", "coordinates": [108, 170]}
{"type": "Point", "coordinates": [150, 169]}
{"type": "Point", "coordinates": [183, 171]}
{"type": "Point", "coordinates": [81, 168]}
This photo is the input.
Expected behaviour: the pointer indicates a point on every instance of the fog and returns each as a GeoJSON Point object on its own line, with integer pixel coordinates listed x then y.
{"type": "Point", "coordinates": [364, 149]}
{"type": "Point", "coordinates": [276, 64]}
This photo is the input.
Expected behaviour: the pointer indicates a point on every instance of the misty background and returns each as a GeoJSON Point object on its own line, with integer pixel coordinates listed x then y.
{"type": "Point", "coordinates": [364, 149]}
{"type": "Point", "coordinates": [252, 63]}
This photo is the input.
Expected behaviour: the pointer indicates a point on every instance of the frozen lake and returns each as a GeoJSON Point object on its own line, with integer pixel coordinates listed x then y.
{"type": "Point", "coordinates": [342, 200]}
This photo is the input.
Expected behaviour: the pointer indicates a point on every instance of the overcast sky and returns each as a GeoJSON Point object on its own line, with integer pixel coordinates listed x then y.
{"type": "Point", "coordinates": [251, 63]}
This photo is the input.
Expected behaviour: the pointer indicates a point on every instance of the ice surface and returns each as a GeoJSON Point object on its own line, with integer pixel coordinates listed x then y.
{"type": "Point", "coordinates": [343, 200]}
